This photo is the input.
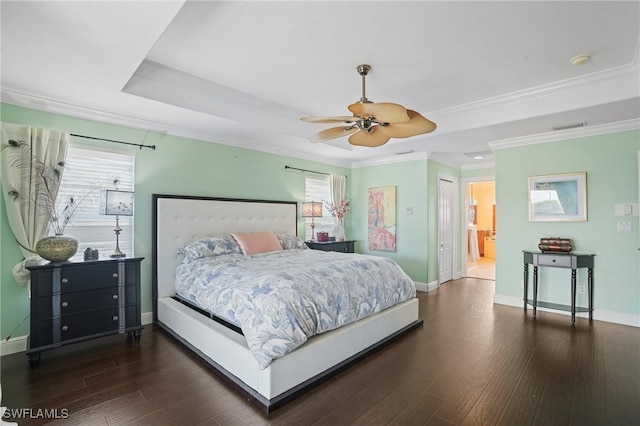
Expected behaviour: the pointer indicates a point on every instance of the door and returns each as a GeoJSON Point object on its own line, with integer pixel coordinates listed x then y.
{"type": "Point", "coordinates": [446, 216]}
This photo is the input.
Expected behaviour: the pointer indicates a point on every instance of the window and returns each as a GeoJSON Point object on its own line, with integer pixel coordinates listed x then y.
{"type": "Point", "coordinates": [317, 189]}
{"type": "Point", "coordinates": [89, 170]}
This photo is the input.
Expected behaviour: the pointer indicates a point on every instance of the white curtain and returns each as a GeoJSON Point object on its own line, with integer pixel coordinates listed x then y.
{"type": "Point", "coordinates": [338, 185]}
{"type": "Point", "coordinates": [46, 146]}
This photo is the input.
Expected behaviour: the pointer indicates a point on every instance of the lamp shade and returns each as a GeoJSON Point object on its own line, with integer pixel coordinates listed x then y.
{"type": "Point", "coordinates": [115, 202]}
{"type": "Point", "coordinates": [312, 209]}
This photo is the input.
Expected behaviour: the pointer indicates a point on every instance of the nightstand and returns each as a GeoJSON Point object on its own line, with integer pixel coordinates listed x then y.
{"type": "Point", "coordinates": [341, 246]}
{"type": "Point", "coordinates": [75, 301]}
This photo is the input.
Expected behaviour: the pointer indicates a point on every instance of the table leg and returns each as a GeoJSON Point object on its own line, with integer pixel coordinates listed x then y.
{"type": "Point", "coordinates": [590, 284]}
{"type": "Point", "coordinates": [535, 290]}
{"type": "Point", "coordinates": [573, 295]}
{"type": "Point", "coordinates": [526, 284]}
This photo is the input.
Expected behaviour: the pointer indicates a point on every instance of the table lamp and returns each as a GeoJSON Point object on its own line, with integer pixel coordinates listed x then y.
{"type": "Point", "coordinates": [312, 209]}
{"type": "Point", "coordinates": [114, 202]}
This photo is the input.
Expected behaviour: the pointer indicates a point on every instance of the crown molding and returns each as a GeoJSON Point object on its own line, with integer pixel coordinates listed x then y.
{"type": "Point", "coordinates": [27, 100]}
{"type": "Point", "coordinates": [629, 71]}
{"type": "Point", "coordinates": [56, 107]}
{"type": "Point", "coordinates": [478, 166]}
{"type": "Point", "coordinates": [398, 158]}
{"type": "Point", "coordinates": [601, 129]}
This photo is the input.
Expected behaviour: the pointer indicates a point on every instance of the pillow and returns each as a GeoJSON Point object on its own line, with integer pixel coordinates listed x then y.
{"type": "Point", "coordinates": [260, 242]}
{"type": "Point", "coordinates": [289, 241]}
{"type": "Point", "coordinates": [215, 245]}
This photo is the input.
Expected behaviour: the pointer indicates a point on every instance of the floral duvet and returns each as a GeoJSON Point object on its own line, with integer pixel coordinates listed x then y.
{"type": "Point", "coordinates": [282, 298]}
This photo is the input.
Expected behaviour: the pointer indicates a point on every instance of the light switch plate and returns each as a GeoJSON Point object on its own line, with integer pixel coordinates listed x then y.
{"type": "Point", "coordinates": [626, 209]}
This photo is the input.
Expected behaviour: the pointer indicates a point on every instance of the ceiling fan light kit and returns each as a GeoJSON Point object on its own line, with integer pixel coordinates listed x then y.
{"type": "Point", "coordinates": [373, 124]}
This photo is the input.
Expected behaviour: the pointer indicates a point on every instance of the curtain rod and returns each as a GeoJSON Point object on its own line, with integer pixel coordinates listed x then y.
{"type": "Point", "coordinates": [153, 147]}
{"type": "Point", "coordinates": [305, 170]}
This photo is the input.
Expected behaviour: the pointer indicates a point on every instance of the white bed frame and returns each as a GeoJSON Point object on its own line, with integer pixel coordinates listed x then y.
{"type": "Point", "coordinates": [180, 219]}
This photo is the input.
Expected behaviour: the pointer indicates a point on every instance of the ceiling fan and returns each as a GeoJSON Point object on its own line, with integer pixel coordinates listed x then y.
{"type": "Point", "coordinates": [373, 124]}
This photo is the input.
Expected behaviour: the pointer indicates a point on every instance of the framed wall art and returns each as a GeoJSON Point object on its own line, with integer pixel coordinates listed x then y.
{"type": "Point", "coordinates": [382, 218]}
{"type": "Point", "coordinates": [561, 197]}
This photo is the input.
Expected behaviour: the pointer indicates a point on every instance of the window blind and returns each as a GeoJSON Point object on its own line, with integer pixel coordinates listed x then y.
{"type": "Point", "coordinates": [317, 189]}
{"type": "Point", "coordinates": [87, 171]}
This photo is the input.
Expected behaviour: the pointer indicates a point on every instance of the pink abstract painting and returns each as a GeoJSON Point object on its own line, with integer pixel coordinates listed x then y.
{"type": "Point", "coordinates": [382, 218]}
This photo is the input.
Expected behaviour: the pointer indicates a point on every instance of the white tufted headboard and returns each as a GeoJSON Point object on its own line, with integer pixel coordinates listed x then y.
{"type": "Point", "coordinates": [181, 219]}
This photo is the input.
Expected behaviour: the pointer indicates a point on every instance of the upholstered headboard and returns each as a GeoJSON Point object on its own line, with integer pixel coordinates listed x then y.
{"type": "Point", "coordinates": [178, 220]}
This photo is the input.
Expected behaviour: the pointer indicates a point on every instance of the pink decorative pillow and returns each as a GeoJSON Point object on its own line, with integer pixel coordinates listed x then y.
{"type": "Point", "coordinates": [260, 242]}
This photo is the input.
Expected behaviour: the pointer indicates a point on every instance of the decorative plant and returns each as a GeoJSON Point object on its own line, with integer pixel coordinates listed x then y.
{"type": "Point", "coordinates": [46, 179]}
{"type": "Point", "coordinates": [338, 211]}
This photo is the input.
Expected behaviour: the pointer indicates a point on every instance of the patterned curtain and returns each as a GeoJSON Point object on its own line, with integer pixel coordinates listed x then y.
{"type": "Point", "coordinates": [29, 225]}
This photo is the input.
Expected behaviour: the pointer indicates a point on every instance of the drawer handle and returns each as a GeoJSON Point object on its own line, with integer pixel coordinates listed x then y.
{"type": "Point", "coordinates": [115, 275]}
{"type": "Point", "coordinates": [115, 296]}
{"type": "Point", "coordinates": [115, 318]}
{"type": "Point", "coordinates": [553, 260]}
{"type": "Point", "coordinates": [65, 327]}
{"type": "Point", "coordinates": [65, 280]}
{"type": "Point", "coordinates": [65, 304]}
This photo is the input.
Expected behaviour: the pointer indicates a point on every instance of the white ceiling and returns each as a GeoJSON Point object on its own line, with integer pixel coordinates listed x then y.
{"type": "Point", "coordinates": [490, 74]}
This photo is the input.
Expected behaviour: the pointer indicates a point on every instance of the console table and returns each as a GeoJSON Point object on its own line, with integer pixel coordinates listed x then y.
{"type": "Point", "coordinates": [571, 261]}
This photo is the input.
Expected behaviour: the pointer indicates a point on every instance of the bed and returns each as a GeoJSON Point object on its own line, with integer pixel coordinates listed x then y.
{"type": "Point", "coordinates": [268, 383]}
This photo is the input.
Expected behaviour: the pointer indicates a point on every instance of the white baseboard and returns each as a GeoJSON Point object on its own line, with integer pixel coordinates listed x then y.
{"type": "Point", "coordinates": [19, 343]}
{"type": "Point", "coordinates": [427, 287]}
{"type": "Point", "coordinates": [615, 317]}
{"type": "Point", "coordinates": [14, 345]}
{"type": "Point", "coordinates": [146, 318]}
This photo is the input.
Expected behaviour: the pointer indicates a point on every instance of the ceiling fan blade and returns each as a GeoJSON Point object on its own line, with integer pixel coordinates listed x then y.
{"type": "Point", "coordinates": [343, 119]}
{"type": "Point", "coordinates": [370, 139]}
{"type": "Point", "coordinates": [333, 133]}
{"type": "Point", "coordinates": [416, 126]}
{"type": "Point", "coordinates": [383, 112]}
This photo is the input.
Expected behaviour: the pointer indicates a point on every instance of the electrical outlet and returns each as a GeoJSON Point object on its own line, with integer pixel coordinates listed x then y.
{"type": "Point", "coordinates": [581, 289]}
{"type": "Point", "coordinates": [625, 227]}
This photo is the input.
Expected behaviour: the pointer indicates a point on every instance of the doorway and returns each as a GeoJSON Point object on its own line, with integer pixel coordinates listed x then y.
{"type": "Point", "coordinates": [481, 229]}
{"type": "Point", "coordinates": [447, 231]}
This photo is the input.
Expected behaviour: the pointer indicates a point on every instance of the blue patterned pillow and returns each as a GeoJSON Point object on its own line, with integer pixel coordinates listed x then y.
{"type": "Point", "coordinates": [215, 245]}
{"type": "Point", "coordinates": [289, 241]}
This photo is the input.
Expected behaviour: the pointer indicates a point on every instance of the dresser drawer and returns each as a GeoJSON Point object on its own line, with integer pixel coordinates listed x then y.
{"type": "Point", "coordinates": [83, 325]}
{"type": "Point", "coordinates": [340, 246]}
{"type": "Point", "coordinates": [559, 260]}
{"type": "Point", "coordinates": [86, 278]}
{"type": "Point", "coordinates": [73, 302]}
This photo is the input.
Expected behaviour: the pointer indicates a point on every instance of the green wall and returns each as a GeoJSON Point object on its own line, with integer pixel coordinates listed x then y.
{"type": "Point", "coordinates": [474, 173]}
{"type": "Point", "coordinates": [187, 166]}
{"type": "Point", "coordinates": [192, 167]}
{"type": "Point", "coordinates": [410, 178]}
{"type": "Point", "coordinates": [611, 164]}
{"type": "Point", "coordinates": [177, 166]}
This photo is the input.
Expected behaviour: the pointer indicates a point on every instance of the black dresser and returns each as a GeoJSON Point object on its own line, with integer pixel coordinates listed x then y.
{"type": "Point", "coordinates": [342, 246]}
{"type": "Point", "coordinates": [80, 300]}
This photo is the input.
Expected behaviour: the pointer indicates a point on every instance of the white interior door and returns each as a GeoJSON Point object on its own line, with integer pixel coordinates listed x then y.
{"type": "Point", "coordinates": [446, 218]}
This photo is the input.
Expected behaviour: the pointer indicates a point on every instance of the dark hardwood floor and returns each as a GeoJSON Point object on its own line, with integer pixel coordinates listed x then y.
{"type": "Point", "coordinates": [472, 362]}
